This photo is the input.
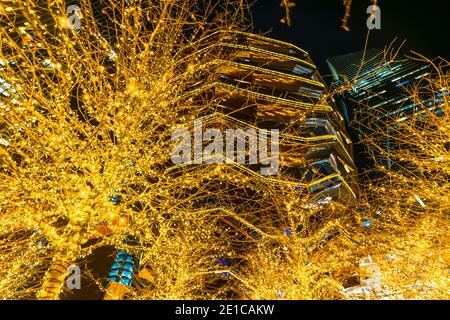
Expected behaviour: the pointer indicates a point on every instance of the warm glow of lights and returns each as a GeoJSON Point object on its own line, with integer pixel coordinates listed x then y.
{"type": "Point", "coordinates": [85, 146]}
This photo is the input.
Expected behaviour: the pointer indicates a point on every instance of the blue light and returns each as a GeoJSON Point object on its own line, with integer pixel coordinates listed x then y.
{"type": "Point", "coordinates": [115, 199]}
{"type": "Point", "coordinates": [115, 266]}
{"type": "Point", "coordinates": [225, 262]}
{"type": "Point", "coordinates": [402, 83]}
{"type": "Point", "coordinates": [127, 274]}
{"type": "Point", "coordinates": [114, 273]}
{"type": "Point", "coordinates": [126, 282]}
{"type": "Point", "coordinates": [122, 269]}
{"type": "Point", "coordinates": [367, 224]}
{"type": "Point", "coordinates": [129, 267]}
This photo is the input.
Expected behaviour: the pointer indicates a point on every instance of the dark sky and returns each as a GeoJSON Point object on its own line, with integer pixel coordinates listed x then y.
{"type": "Point", "coordinates": [316, 26]}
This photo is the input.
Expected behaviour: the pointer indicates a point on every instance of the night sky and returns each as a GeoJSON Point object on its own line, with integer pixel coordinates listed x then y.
{"type": "Point", "coordinates": [316, 26]}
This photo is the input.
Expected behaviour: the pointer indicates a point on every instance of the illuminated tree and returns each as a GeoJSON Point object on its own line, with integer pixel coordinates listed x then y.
{"type": "Point", "coordinates": [87, 114]}
{"type": "Point", "coordinates": [408, 200]}
{"type": "Point", "coordinates": [88, 107]}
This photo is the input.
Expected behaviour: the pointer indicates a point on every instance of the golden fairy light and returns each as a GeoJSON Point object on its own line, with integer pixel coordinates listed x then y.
{"type": "Point", "coordinates": [87, 115]}
{"type": "Point", "coordinates": [88, 102]}
{"type": "Point", "coordinates": [409, 196]}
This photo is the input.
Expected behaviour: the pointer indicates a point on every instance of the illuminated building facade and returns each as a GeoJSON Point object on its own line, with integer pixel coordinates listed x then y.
{"type": "Point", "coordinates": [377, 98]}
{"type": "Point", "coordinates": [272, 84]}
